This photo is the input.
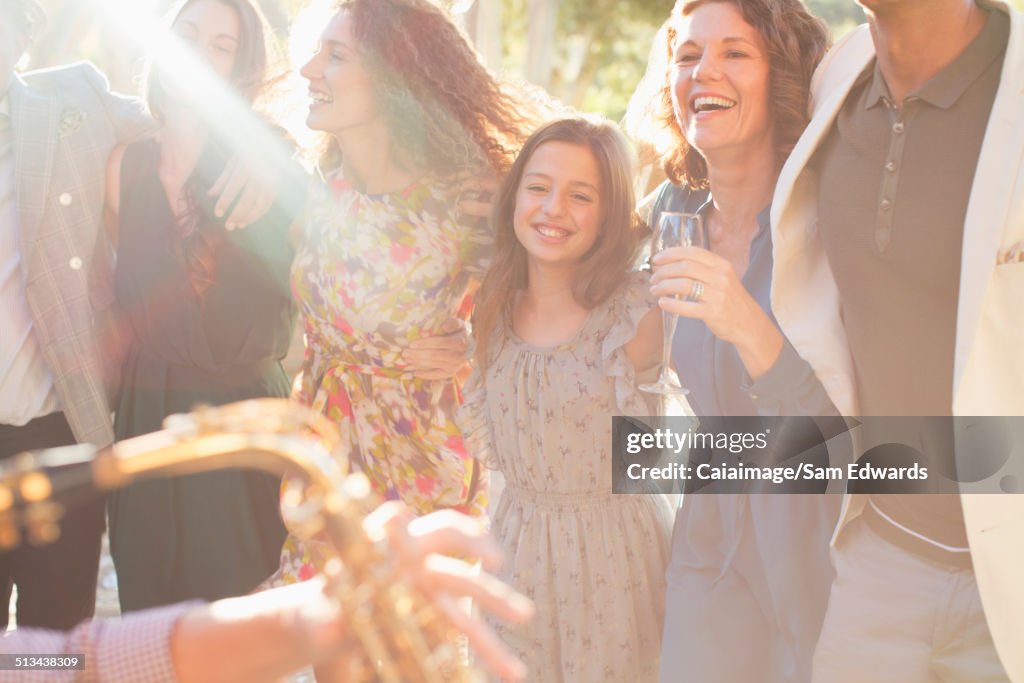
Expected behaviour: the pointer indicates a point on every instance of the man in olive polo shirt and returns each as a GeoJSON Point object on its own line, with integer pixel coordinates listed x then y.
{"type": "Point", "coordinates": [891, 218]}
{"type": "Point", "coordinates": [895, 179]}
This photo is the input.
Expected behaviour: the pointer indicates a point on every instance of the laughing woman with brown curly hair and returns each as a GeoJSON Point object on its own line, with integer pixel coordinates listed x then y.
{"type": "Point", "coordinates": [749, 575]}
{"type": "Point", "coordinates": [387, 257]}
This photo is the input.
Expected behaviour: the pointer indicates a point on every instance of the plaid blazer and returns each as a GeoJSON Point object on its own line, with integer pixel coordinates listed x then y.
{"type": "Point", "coordinates": [64, 123]}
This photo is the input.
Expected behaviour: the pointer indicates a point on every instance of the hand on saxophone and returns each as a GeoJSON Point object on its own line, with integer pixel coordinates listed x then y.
{"type": "Point", "coordinates": [265, 636]}
{"type": "Point", "coordinates": [425, 547]}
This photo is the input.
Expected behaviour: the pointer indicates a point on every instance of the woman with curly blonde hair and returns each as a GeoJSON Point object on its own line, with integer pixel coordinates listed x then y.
{"type": "Point", "coordinates": [387, 258]}
{"type": "Point", "coordinates": [725, 112]}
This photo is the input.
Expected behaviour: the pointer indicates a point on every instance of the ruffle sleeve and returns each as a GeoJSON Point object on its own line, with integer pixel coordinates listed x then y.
{"type": "Point", "coordinates": [626, 309]}
{"type": "Point", "coordinates": [474, 421]}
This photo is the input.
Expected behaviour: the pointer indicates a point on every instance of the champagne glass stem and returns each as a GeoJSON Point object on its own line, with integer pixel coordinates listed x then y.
{"type": "Point", "coordinates": [668, 329]}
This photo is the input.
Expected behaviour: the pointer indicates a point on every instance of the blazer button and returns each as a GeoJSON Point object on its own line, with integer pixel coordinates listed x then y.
{"type": "Point", "coordinates": [64, 199]}
{"type": "Point", "coordinates": [75, 263]}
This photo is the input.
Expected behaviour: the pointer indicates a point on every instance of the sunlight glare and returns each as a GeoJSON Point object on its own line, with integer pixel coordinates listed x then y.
{"type": "Point", "coordinates": [225, 112]}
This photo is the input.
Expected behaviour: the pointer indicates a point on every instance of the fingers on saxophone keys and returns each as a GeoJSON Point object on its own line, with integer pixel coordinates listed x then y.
{"type": "Point", "coordinates": [454, 577]}
{"type": "Point", "coordinates": [445, 532]}
{"type": "Point", "coordinates": [492, 651]}
{"type": "Point", "coordinates": [453, 533]}
{"type": "Point", "coordinates": [389, 521]}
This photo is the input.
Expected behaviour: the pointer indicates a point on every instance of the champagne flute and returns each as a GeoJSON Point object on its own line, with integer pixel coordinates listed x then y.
{"type": "Point", "coordinates": [674, 230]}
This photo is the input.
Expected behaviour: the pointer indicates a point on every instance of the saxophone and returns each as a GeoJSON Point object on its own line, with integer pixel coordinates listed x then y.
{"type": "Point", "coordinates": [401, 637]}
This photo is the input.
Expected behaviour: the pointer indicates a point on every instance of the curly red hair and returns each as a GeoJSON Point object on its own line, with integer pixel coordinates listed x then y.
{"type": "Point", "coordinates": [444, 109]}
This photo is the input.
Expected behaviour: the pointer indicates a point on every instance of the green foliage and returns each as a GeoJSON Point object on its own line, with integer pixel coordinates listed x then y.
{"type": "Point", "coordinates": [602, 45]}
{"type": "Point", "coordinates": [619, 40]}
{"type": "Point", "coordinates": [841, 15]}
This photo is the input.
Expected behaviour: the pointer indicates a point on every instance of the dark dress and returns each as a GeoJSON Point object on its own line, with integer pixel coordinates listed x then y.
{"type": "Point", "coordinates": [749, 574]}
{"type": "Point", "coordinates": [216, 534]}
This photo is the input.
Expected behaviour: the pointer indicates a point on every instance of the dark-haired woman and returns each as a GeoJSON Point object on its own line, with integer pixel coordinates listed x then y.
{"type": "Point", "coordinates": [387, 257]}
{"type": "Point", "coordinates": [749, 576]}
{"type": "Point", "coordinates": [210, 318]}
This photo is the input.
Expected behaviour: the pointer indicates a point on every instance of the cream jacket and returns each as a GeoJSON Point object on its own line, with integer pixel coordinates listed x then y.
{"type": "Point", "coordinates": [989, 363]}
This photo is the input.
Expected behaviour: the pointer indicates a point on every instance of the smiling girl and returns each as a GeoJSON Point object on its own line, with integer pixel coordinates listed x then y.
{"type": "Point", "coordinates": [564, 335]}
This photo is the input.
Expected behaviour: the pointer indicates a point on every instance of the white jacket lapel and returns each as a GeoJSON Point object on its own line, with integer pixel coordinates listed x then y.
{"type": "Point", "coordinates": [805, 298]}
{"type": "Point", "coordinates": [832, 82]}
{"type": "Point", "coordinates": [993, 190]}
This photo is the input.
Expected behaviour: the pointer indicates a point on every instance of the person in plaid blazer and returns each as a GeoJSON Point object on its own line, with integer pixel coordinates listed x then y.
{"type": "Point", "coordinates": [65, 121]}
{"type": "Point", "coordinates": [57, 128]}
{"type": "Point", "coordinates": [60, 351]}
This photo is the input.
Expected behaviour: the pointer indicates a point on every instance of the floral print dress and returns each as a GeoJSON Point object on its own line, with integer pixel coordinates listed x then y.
{"type": "Point", "coordinates": [375, 273]}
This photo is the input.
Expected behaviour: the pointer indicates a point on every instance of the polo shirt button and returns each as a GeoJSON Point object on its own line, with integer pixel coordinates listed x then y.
{"type": "Point", "coordinates": [64, 199]}
{"type": "Point", "coordinates": [890, 166]}
{"type": "Point", "coordinates": [75, 263]}
{"type": "Point", "coordinates": [886, 205]}
{"type": "Point", "coordinates": [897, 127]}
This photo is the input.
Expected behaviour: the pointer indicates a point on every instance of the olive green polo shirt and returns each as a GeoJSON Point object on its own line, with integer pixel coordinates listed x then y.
{"type": "Point", "coordinates": [894, 187]}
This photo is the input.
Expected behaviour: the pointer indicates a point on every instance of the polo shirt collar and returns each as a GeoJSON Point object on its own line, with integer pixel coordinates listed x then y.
{"type": "Point", "coordinates": [946, 87]}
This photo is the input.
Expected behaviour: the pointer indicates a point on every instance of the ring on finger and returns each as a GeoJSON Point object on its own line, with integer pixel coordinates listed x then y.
{"type": "Point", "coordinates": [696, 292]}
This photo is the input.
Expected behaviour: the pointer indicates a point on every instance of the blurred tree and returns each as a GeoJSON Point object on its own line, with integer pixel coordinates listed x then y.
{"type": "Point", "coordinates": [483, 24]}
{"type": "Point", "coordinates": [592, 53]}
{"type": "Point", "coordinates": [589, 53]}
{"type": "Point", "coordinates": [841, 15]}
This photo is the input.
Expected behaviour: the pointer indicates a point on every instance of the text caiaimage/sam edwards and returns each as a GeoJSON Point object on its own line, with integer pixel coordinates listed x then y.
{"type": "Point", "coordinates": [777, 474]}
